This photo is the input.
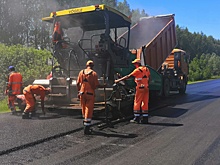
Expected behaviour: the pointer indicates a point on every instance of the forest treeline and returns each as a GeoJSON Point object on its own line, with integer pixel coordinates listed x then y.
{"type": "Point", "coordinates": [20, 21]}
{"type": "Point", "coordinates": [25, 40]}
{"type": "Point", "coordinates": [204, 53]}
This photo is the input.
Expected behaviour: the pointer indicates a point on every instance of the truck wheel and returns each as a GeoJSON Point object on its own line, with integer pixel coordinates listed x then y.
{"type": "Point", "coordinates": [182, 90]}
{"type": "Point", "coordinates": [166, 87]}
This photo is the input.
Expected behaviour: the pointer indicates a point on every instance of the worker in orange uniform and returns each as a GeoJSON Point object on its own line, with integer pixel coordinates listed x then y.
{"type": "Point", "coordinates": [57, 32]}
{"type": "Point", "coordinates": [14, 87]}
{"type": "Point", "coordinates": [29, 92]}
{"type": "Point", "coordinates": [87, 82]}
{"type": "Point", "coordinates": [142, 76]}
{"type": "Point", "coordinates": [57, 36]}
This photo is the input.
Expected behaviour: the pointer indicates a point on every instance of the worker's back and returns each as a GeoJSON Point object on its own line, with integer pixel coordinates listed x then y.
{"type": "Point", "coordinates": [15, 83]}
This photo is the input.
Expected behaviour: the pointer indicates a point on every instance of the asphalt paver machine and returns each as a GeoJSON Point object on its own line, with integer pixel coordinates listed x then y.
{"type": "Point", "coordinates": [90, 33]}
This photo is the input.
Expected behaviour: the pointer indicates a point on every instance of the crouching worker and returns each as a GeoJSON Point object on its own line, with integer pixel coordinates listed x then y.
{"type": "Point", "coordinates": [142, 76]}
{"type": "Point", "coordinates": [87, 82]}
{"type": "Point", "coordinates": [29, 92]}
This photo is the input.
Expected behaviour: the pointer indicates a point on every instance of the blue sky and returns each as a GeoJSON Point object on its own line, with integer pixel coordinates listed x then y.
{"type": "Point", "coordinates": [197, 15]}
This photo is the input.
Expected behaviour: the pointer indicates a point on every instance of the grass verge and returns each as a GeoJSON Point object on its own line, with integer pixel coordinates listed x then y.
{"type": "Point", "coordinates": [3, 106]}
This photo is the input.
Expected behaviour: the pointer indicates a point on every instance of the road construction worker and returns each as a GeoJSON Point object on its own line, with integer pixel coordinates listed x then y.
{"type": "Point", "coordinates": [57, 32]}
{"type": "Point", "coordinates": [57, 37]}
{"type": "Point", "coordinates": [87, 82]}
{"type": "Point", "coordinates": [14, 87]}
{"type": "Point", "coordinates": [29, 92]}
{"type": "Point", "coordinates": [142, 75]}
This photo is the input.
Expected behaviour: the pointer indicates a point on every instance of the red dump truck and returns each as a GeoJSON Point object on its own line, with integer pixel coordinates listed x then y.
{"type": "Point", "coordinates": [153, 40]}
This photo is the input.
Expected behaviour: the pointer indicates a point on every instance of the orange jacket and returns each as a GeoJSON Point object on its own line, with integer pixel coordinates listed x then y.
{"type": "Point", "coordinates": [14, 83]}
{"type": "Point", "coordinates": [142, 75]}
{"type": "Point", "coordinates": [88, 81]}
{"type": "Point", "coordinates": [36, 89]}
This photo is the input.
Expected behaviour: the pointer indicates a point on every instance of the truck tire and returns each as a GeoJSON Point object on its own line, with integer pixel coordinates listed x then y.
{"type": "Point", "coordinates": [166, 87]}
{"type": "Point", "coordinates": [182, 90]}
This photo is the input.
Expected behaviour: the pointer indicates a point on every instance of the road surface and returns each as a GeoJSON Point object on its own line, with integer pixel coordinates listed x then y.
{"type": "Point", "coordinates": [184, 131]}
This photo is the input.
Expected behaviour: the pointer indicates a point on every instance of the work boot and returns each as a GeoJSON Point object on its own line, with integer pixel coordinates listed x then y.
{"type": "Point", "coordinates": [13, 111]}
{"type": "Point", "coordinates": [25, 115]}
{"type": "Point", "coordinates": [136, 120]}
{"type": "Point", "coordinates": [87, 130]}
{"type": "Point", "coordinates": [144, 120]}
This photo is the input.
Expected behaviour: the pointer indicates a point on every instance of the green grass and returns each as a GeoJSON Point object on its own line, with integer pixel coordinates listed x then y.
{"type": "Point", "coordinates": [215, 77]}
{"type": "Point", "coordinates": [4, 106]}
{"type": "Point", "coordinates": [193, 82]}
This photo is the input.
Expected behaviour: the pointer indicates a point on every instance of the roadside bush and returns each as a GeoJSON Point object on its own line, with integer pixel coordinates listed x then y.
{"type": "Point", "coordinates": [204, 67]}
{"type": "Point", "coordinates": [30, 62]}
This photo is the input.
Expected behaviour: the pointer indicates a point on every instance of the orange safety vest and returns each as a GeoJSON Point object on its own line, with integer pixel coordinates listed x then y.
{"type": "Point", "coordinates": [88, 82]}
{"type": "Point", "coordinates": [15, 83]}
{"type": "Point", "coordinates": [141, 75]}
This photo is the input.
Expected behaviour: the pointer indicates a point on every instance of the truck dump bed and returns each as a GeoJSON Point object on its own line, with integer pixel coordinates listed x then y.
{"type": "Point", "coordinates": [158, 35]}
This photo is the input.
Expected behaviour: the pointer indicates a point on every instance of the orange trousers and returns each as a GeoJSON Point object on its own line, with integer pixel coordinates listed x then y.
{"type": "Point", "coordinates": [141, 100]}
{"type": "Point", "coordinates": [87, 104]}
{"type": "Point", "coordinates": [30, 102]}
{"type": "Point", "coordinates": [11, 102]}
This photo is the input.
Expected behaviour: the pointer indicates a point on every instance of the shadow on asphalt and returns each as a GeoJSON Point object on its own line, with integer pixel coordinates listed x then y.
{"type": "Point", "coordinates": [166, 124]}
{"type": "Point", "coordinates": [113, 134]}
{"type": "Point", "coordinates": [168, 112]}
{"type": "Point", "coordinates": [46, 117]}
{"type": "Point", "coordinates": [40, 116]}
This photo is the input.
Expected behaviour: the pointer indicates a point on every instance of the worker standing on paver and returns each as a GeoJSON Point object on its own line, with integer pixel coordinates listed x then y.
{"type": "Point", "coordinates": [87, 82]}
{"type": "Point", "coordinates": [14, 87]}
{"type": "Point", "coordinates": [57, 37]}
{"type": "Point", "coordinates": [29, 92]}
{"type": "Point", "coordinates": [142, 76]}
